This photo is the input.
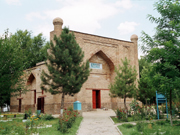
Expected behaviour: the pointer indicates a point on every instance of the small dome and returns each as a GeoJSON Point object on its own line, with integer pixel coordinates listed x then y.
{"type": "Point", "coordinates": [57, 21]}
{"type": "Point", "coordinates": [134, 36]}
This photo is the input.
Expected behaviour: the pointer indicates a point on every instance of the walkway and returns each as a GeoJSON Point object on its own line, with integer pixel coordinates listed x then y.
{"type": "Point", "coordinates": [98, 123]}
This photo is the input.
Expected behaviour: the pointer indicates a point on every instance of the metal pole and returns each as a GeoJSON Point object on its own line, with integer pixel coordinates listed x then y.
{"type": "Point", "coordinates": [157, 105]}
{"type": "Point", "coordinates": [166, 109]}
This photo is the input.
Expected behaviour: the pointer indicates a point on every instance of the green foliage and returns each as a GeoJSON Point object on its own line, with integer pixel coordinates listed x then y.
{"type": "Point", "coordinates": [34, 49]}
{"type": "Point", "coordinates": [27, 114]}
{"type": "Point", "coordinates": [121, 114]}
{"type": "Point", "coordinates": [11, 67]}
{"type": "Point", "coordinates": [164, 47]}
{"type": "Point", "coordinates": [46, 117]}
{"type": "Point", "coordinates": [124, 84]}
{"type": "Point", "coordinates": [66, 120]}
{"type": "Point", "coordinates": [140, 126]}
{"type": "Point", "coordinates": [67, 71]}
{"type": "Point", "coordinates": [18, 52]}
{"type": "Point", "coordinates": [143, 63]}
{"type": "Point", "coordinates": [154, 128]}
{"type": "Point", "coordinates": [145, 88]}
{"type": "Point", "coordinates": [128, 125]}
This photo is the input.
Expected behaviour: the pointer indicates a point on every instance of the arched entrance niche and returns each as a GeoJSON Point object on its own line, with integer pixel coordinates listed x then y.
{"type": "Point", "coordinates": [30, 99]}
{"type": "Point", "coordinates": [31, 82]}
{"type": "Point", "coordinates": [107, 65]}
{"type": "Point", "coordinates": [100, 77]}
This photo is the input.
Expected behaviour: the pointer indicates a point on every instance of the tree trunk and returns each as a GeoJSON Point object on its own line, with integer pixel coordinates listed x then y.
{"type": "Point", "coordinates": [146, 106]}
{"type": "Point", "coordinates": [1, 108]}
{"type": "Point", "coordinates": [171, 107]}
{"type": "Point", "coordinates": [125, 105]}
{"type": "Point", "coordinates": [62, 102]}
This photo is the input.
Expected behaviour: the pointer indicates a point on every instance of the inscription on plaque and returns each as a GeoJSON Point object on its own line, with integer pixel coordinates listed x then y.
{"type": "Point", "coordinates": [95, 65]}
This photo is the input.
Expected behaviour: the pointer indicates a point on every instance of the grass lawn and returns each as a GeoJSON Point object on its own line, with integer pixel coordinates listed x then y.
{"type": "Point", "coordinates": [54, 131]}
{"type": "Point", "coordinates": [129, 119]}
{"type": "Point", "coordinates": [17, 126]}
{"type": "Point", "coordinates": [11, 115]}
{"type": "Point", "coordinates": [115, 119]}
{"type": "Point", "coordinates": [156, 128]}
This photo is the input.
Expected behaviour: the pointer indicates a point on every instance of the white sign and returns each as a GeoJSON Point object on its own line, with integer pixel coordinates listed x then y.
{"type": "Point", "coordinates": [95, 65]}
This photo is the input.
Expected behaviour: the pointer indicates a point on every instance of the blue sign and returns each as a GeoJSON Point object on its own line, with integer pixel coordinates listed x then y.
{"type": "Point", "coordinates": [160, 98]}
{"type": "Point", "coordinates": [95, 65]}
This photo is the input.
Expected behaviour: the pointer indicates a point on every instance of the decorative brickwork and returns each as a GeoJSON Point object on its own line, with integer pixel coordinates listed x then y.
{"type": "Point", "coordinates": [106, 52]}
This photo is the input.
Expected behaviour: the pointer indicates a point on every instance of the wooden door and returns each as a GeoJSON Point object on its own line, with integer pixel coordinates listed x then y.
{"type": "Point", "coordinates": [19, 109]}
{"type": "Point", "coordinates": [94, 99]}
{"type": "Point", "coordinates": [34, 96]}
{"type": "Point", "coordinates": [39, 104]}
{"type": "Point", "coordinates": [98, 99]}
{"type": "Point", "coordinates": [42, 105]}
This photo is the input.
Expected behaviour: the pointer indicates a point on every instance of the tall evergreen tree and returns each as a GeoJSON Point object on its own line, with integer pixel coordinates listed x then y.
{"type": "Point", "coordinates": [163, 48]}
{"type": "Point", "coordinates": [124, 84]}
{"type": "Point", "coordinates": [67, 71]}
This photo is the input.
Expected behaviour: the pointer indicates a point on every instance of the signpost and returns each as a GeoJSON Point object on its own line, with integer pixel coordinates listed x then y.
{"type": "Point", "coordinates": [161, 99]}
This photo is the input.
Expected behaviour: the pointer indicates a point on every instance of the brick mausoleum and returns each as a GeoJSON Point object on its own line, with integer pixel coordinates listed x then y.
{"type": "Point", "coordinates": [103, 53]}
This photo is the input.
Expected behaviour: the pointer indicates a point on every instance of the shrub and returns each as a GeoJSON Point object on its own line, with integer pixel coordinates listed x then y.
{"type": "Point", "coordinates": [27, 113]}
{"type": "Point", "coordinates": [140, 126]}
{"type": "Point", "coordinates": [67, 119]}
{"type": "Point", "coordinates": [128, 125]}
{"type": "Point", "coordinates": [160, 122]}
{"type": "Point", "coordinates": [46, 117]}
{"type": "Point", "coordinates": [121, 114]}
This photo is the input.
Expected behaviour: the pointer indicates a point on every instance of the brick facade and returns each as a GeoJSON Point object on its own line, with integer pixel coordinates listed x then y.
{"type": "Point", "coordinates": [97, 49]}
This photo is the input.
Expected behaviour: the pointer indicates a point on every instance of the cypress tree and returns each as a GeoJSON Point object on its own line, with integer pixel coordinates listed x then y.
{"type": "Point", "coordinates": [124, 83]}
{"type": "Point", "coordinates": [66, 70]}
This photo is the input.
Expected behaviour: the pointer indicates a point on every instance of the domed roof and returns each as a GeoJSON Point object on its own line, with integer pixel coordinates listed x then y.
{"type": "Point", "coordinates": [57, 20]}
{"type": "Point", "coordinates": [134, 36]}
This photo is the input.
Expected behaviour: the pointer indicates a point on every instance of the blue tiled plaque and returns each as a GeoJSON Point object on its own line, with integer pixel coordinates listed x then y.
{"type": "Point", "coordinates": [95, 65]}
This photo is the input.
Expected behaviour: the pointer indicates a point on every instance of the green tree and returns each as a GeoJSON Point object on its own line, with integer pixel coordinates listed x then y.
{"type": "Point", "coordinates": [143, 63]}
{"type": "Point", "coordinates": [67, 71]}
{"type": "Point", "coordinates": [18, 52]}
{"type": "Point", "coordinates": [124, 84]}
{"type": "Point", "coordinates": [34, 48]}
{"type": "Point", "coordinates": [163, 48]}
{"type": "Point", "coordinates": [11, 68]}
{"type": "Point", "coordinates": [145, 88]}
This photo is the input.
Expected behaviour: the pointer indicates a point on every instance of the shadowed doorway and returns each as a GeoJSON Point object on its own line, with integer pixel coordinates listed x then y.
{"type": "Point", "coordinates": [96, 99]}
{"type": "Point", "coordinates": [40, 105]}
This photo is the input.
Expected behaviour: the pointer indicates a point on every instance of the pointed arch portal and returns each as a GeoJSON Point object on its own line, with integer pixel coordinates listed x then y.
{"type": "Point", "coordinates": [106, 58]}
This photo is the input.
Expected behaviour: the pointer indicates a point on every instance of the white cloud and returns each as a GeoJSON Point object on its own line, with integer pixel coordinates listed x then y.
{"type": "Point", "coordinates": [127, 27]}
{"type": "Point", "coordinates": [44, 29]}
{"type": "Point", "coordinates": [124, 4]}
{"type": "Point", "coordinates": [83, 15]}
{"type": "Point", "coordinates": [13, 2]}
{"type": "Point", "coordinates": [32, 15]}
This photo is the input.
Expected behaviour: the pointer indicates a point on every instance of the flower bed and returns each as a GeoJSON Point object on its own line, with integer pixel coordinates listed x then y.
{"type": "Point", "coordinates": [67, 119]}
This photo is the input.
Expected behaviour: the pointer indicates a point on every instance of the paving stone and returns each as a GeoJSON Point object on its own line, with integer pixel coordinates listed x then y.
{"type": "Point", "coordinates": [98, 123]}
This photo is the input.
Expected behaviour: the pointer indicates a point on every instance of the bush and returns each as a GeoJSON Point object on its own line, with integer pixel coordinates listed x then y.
{"type": "Point", "coordinates": [27, 114]}
{"type": "Point", "coordinates": [67, 119]}
{"type": "Point", "coordinates": [46, 117]}
{"type": "Point", "coordinates": [121, 115]}
{"type": "Point", "coordinates": [140, 126]}
{"type": "Point", "coordinates": [128, 125]}
{"type": "Point", "coordinates": [160, 122]}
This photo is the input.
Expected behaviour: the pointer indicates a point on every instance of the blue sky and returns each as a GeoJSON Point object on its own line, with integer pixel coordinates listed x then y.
{"type": "Point", "coordinates": [110, 18]}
